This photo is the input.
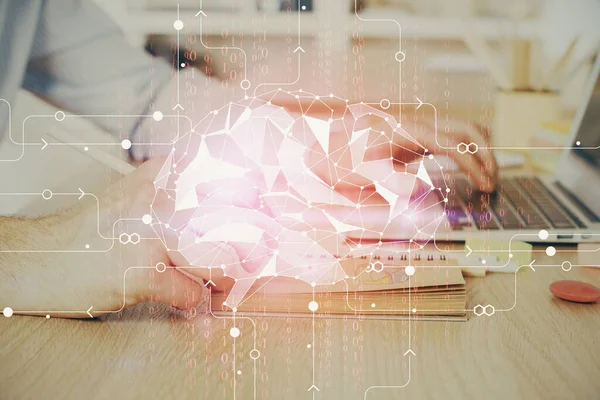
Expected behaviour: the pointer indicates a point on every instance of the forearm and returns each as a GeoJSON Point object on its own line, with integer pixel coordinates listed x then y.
{"type": "Point", "coordinates": [28, 259]}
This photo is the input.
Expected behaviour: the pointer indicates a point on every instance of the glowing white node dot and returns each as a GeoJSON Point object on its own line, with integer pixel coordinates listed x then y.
{"type": "Point", "coordinates": [126, 144]}
{"type": "Point", "coordinates": [254, 354]}
{"type": "Point", "coordinates": [47, 194]}
{"type": "Point", "coordinates": [59, 116]}
{"type": "Point", "coordinates": [147, 219]}
{"type": "Point", "coordinates": [550, 250]}
{"type": "Point", "coordinates": [182, 65]}
{"type": "Point", "coordinates": [308, 346]}
{"type": "Point", "coordinates": [239, 372]}
{"type": "Point", "coordinates": [431, 156]}
{"type": "Point", "coordinates": [414, 310]}
{"type": "Point", "coordinates": [410, 270]}
{"type": "Point", "coordinates": [447, 190]}
{"type": "Point", "coordinates": [86, 148]}
{"type": "Point", "coordinates": [303, 8]}
{"type": "Point", "coordinates": [510, 255]}
{"type": "Point", "coordinates": [8, 312]}
{"type": "Point", "coordinates": [161, 267]}
{"type": "Point", "coordinates": [313, 306]}
{"type": "Point", "coordinates": [47, 316]}
{"type": "Point", "coordinates": [234, 332]}
{"type": "Point", "coordinates": [313, 284]}
{"type": "Point", "coordinates": [245, 84]}
{"type": "Point", "coordinates": [543, 234]}
{"type": "Point", "coordinates": [178, 25]}
{"type": "Point", "coordinates": [400, 56]}
{"type": "Point", "coordinates": [372, 305]}
{"type": "Point", "coordinates": [578, 143]}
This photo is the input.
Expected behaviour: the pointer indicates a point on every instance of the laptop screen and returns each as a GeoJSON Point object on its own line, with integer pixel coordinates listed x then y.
{"type": "Point", "coordinates": [588, 134]}
{"type": "Point", "coordinates": [579, 171]}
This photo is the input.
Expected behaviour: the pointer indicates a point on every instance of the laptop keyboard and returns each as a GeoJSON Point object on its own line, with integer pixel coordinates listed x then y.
{"type": "Point", "coordinates": [518, 203]}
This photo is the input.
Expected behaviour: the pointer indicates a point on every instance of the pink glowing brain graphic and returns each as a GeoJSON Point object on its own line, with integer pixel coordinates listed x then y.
{"type": "Point", "coordinates": [293, 193]}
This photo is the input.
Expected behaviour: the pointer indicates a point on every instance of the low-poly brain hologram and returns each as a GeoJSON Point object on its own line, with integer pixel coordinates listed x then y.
{"type": "Point", "coordinates": [293, 190]}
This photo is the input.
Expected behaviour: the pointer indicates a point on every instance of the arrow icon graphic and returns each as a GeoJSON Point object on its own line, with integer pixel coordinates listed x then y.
{"type": "Point", "coordinates": [420, 103]}
{"type": "Point", "coordinates": [210, 282]}
{"type": "Point", "coordinates": [45, 144]}
{"type": "Point", "coordinates": [200, 13]}
{"type": "Point", "coordinates": [88, 312]}
{"type": "Point", "coordinates": [409, 351]}
{"type": "Point", "coordinates": [470, 250]}
{"type": "Point", "coordinates": [313, 387]}
{"type": "Point", "coordinates": [178, 105]}
{"type": "Point", "coordinates": [299, 48]}
{"type": "Point", "coordinates": [82, 194]}
{"type": "Point", "coordinates": [531, 265]}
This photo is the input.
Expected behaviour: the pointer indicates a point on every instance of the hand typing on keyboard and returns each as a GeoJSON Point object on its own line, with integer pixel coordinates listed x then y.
{"type": "Point", "coordinates": [479, 166]}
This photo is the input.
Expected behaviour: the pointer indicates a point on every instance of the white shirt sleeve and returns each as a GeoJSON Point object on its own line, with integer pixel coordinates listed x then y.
{"type": "Point", "coordinates": [81, 62]}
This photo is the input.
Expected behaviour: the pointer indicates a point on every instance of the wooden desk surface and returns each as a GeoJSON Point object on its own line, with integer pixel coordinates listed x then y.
{"type": "Point", "coordinates": [544, 348]}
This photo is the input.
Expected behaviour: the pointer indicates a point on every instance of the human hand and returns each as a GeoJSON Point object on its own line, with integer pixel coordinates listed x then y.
{"type": "Point", "coordinates": [480, 167]}
{"type": "Point", "coordinates": [405, 146]}
{"type": "Point", "coordinates": [64, 264]}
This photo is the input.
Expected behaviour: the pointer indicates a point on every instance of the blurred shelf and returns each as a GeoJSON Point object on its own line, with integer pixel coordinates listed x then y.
{"type": "Point", "coordinates": [285, 23]}
{"type": "Point", "coordinates": [445, 28]}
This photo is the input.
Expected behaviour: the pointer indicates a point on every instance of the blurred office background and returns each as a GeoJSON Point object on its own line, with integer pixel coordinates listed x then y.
{"type": "Point", "coordinates": [472, 59]}
{"type": "Point", "coordinates": [339, 42]}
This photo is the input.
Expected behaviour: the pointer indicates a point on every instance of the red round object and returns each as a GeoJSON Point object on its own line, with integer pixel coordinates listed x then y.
{"type": "Point", "coordinates": [579, 292]}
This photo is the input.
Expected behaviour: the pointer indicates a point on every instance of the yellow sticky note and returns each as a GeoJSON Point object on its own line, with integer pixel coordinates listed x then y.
{"type": "Point", "coordinates": [521, 251]}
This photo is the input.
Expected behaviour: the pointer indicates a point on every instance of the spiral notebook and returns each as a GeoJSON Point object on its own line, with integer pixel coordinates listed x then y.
{"type": "Point", "coordinates": [436, 291]}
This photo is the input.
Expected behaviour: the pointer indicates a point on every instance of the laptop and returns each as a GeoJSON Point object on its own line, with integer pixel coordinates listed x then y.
{"type": "Point", "coordinates": [566, 205]}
